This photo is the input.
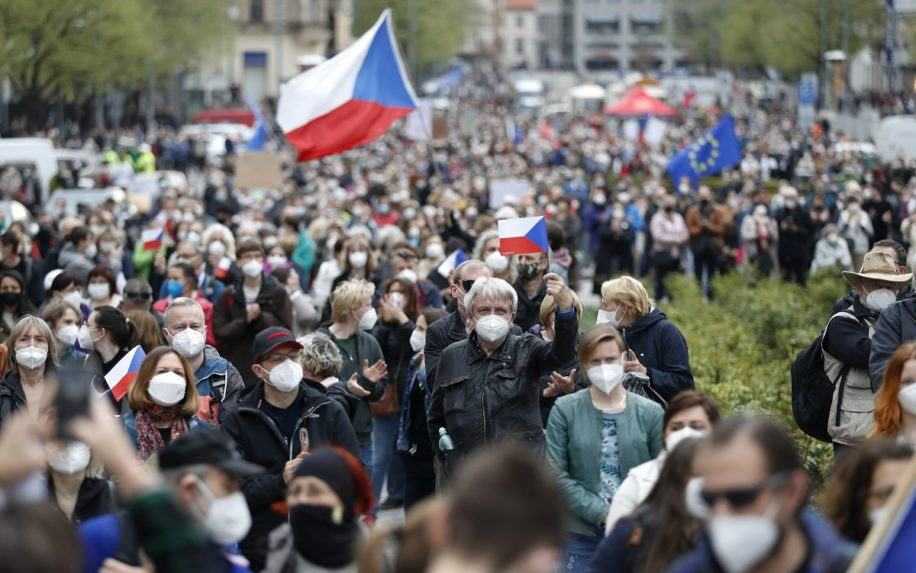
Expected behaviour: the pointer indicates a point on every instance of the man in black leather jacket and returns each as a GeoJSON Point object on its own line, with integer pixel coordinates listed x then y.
{"type": "Point", "coordinates": [487, 386]}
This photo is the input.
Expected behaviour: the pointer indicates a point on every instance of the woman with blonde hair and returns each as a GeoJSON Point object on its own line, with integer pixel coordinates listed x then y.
{"type": "Point", "coordinates": [33, 363]}
{"type": "Point", "coordinates": [895, 402]}
{"type": "Point", "coordinates": [656, 349]}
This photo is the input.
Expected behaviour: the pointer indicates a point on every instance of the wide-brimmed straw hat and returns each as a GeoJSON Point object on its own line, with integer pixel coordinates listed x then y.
{"type": "Point", "coordinates": [877, 266]}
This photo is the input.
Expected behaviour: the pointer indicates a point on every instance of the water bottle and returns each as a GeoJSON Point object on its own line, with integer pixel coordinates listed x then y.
{"type": "Point", "coordinates": [445, 441]}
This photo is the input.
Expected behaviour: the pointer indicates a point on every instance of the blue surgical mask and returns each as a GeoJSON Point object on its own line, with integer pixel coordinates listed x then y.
{"type": "Point", "coordinates": [173, 288]}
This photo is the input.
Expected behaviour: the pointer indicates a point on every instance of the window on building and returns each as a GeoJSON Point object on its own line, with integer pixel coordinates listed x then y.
{"type": "Point", "coordinates": [519, 21]}
{"type": "Point", "coordinates": [519, 47]}
{"type": "Point", "coordinates": [647, 27]}
{"type": "Point", "coordinates": [256, 11]}
{"type": "Point", "coordinates": [600, 27]}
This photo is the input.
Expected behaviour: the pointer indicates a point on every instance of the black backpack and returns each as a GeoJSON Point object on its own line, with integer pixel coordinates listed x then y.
{"type": "Point", "coordinates": [812, 390]}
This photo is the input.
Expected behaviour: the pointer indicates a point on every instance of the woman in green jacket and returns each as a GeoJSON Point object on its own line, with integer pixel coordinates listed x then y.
{"type": "Point", "coordinates": [595, 436]}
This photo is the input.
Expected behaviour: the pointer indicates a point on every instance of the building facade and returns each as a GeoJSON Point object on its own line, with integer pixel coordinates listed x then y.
{"type": "Point", "coordinates": [520, 35]}
{"type": "Point", "coordinates": [271, 36]}
{"type": "Point", "coordinates": [605, 36]}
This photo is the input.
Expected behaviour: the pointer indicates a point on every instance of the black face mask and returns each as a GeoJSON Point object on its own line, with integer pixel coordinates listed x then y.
{"type": "Point", "coordinates": [10, 298]}
{"type": "Point", "coordinates": [319, 540]}
{"type": "Point", "coordinates": [528, 271]}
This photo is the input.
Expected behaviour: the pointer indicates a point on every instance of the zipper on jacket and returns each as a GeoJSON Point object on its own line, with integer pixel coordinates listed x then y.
{"type": "Point", "coordinates": [309, 414]}
{"type": "Point", "coordinates": [486, 377]}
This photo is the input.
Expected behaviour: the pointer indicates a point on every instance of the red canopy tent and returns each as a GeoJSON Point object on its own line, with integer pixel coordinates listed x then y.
{"type": "Point", "coordinates": [637, 103]}
{"type": "Point", "coordinates": [240, 115]}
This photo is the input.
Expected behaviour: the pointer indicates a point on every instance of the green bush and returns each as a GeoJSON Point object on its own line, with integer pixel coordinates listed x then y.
{"type": "Point", "coordinates": [743, 342]}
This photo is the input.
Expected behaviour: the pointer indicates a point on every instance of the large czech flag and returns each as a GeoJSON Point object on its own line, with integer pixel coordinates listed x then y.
{"type": "Point", "coordinates": [527, 235]}
{"type": "Point", "coordinates": [349, 100]}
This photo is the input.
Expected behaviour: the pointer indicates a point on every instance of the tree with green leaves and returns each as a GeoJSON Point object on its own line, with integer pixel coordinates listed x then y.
{"type": "Point", "coordinates": [789, 36]}
{"type": "Point", "coordinates": [427, 32]}
{"type": "Point", "coordinates": [69, 50]}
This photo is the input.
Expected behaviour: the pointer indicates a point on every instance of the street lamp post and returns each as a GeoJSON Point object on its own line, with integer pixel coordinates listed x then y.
{"type": "Point", "coordinates": [279, 26]}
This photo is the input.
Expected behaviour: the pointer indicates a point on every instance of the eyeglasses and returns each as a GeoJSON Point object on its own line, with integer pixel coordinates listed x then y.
{"type": "Point", "coordinates": [740, 497]}
{"type": "Point", "coordinates": [138, 295]}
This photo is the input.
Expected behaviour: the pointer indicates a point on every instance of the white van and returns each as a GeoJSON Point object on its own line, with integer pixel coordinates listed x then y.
{"type": "Point", "coordinates": [34, 152]}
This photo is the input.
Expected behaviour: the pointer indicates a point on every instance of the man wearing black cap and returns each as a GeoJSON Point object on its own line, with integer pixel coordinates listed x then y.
{"type": "Point", "coordinates": [275, 425]}
{"type": "Point", "coordinates": [203, 470]}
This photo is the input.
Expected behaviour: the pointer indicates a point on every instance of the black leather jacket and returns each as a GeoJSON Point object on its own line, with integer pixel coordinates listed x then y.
{"type": "Point", "coordinates": [480, 399]}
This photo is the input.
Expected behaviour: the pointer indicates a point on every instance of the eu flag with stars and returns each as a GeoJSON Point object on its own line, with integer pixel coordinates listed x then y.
{"type": "Point", "coordinates": [717, 150]}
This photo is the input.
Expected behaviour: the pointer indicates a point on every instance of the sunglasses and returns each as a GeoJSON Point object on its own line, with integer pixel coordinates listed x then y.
{"type": "Point", "coordinates": [466, 285]}
{"type": "Point", "coordinates": [740, 497]}
{"type": "Point", "coordinates": [139, 295]}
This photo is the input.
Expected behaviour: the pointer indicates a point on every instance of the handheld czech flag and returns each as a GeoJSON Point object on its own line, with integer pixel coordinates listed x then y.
{"type": "Point", "coordinates": [523, 236]}
{"type": "Point", "coordinates": [152, 239]}
{"type": "Point", "coordinates": [349, 100]}
{"type": "Point", "coordinates": [120, 378]}
{"type": "Point", "coordinates": [451, 262]}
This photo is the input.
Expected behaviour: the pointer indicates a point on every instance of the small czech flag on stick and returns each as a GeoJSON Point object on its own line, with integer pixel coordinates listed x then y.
{"type": "Point", "coordinates": [152, 239]}
{"type": "Point", "coordinates": [524, 236]}
{"type": "Point", "coordinates": [122, 376]}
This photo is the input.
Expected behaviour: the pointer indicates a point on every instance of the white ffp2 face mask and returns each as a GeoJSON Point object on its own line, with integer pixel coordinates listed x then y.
{"type": "Point", "coordinates": [228, 518]}
{"type": "Point", "coordinates": [608, 317]}
{"type": "Point", "coordinates": [742, 541]}
{"type": "Point", "coordinates": [492, 328]}
{"type": "Point", "coordinates": [675, 438]}
{"type": "Point", "coordinates": [252, 268]}
{"type": "Point", "coordinates": [606, 377]}
{"type": "Point", "coordinates": [497, 262]}
{"type": "Point", "coordinates": [68, 334]}
{"type": "Point", "coordinates": [907, 398]}
{"type": "Point", "coordinates": [880, 299]}
{"type": "Point", "coordinates": [84, 337]}
{"type": "Point", "coordinates": [285, 376]}
{"type": "Point", "coordinates": [167, 389]}
{"type": "Point", "coordinates": [70, 459]}
{"type": "Point", "coordinates": [188, 342]}
{"type": "Point", "coordinates": [358, 259]}
{"type": "Point", "coordinates": [368, 319]}
{"type": "Point", "coordinates": [98, 291]}
{"type": "Point", "coordinates": [31, 357]}
{"type": "Point", "coordinates": [417, 340]}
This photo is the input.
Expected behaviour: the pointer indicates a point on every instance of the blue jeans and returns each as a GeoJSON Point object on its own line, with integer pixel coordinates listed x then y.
{"type": "Point", "coordinates": [385, 461]}
{"type": "Point", "coordinates": [365, 454]}
{"type": "Point", "coordinates": [579, 552]}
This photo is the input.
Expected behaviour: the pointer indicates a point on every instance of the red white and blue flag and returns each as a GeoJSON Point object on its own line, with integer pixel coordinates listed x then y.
{"type": "Point", "coordinates": [122, 376]}
{"type": "Point", "coordinates": [152, 239]}
{"type": "Point", "coordinates": [349, 100]}
{"type": "Point", "coordinates": [523, 236]}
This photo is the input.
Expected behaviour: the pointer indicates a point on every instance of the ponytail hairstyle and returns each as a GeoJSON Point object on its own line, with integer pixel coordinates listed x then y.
{"type": "Point", "coordinates": [123, 332]}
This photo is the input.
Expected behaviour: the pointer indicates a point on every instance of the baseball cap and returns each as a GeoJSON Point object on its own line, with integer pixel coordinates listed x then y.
{"type": "Point", "coordinates": [270, 339]}
{"type": "Point", "coordinates": [206, 445]}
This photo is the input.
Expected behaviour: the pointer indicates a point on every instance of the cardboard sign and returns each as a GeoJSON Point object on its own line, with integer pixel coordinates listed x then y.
{"type": "Point", "coordinates": [259, 170]}
{"type": "Point", "coordinates": [507, 190]}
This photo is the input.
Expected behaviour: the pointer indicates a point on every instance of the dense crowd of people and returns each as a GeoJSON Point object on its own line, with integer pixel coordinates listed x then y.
{"type": "Point", "coordinates": [354, 341]}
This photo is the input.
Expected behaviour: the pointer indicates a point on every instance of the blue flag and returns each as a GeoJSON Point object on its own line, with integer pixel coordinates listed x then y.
{"type": "Point", "coordinates": [717, 150]}
{"type": "Point", "coordinates": [261, 134]}
{"type": "Point", "coordinates": [897, 551]}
